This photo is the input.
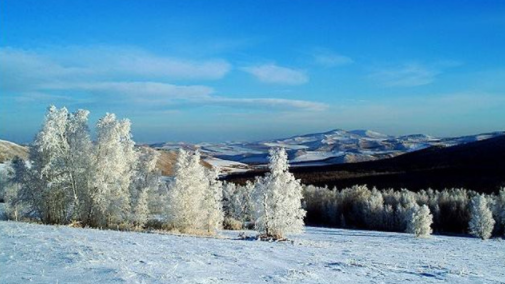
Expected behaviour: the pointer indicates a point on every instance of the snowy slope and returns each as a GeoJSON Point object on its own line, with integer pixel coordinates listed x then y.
{"type": "Point", "coordinates": [332, 147]}
{"type": "Point", "coordinates": [48, 254]}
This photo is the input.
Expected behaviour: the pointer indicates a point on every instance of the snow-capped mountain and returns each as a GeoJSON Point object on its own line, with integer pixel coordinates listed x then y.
{"type": "Point", "coordinates": [332, 147]}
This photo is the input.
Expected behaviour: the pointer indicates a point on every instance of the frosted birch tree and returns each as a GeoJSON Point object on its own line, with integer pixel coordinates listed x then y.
{"type": "Point", "coordinates": [212, 203]}
{"type": "Point", "coordinates": [145, 181]}
{"type": "Point", "coordinates": [113, 167]}
{"type": "Point", "coordinates": [194, 197]}
{"type": "Point", "coordinates": [420, 221]}
{"type": "Point", "coordinates": [481, 220]}
{"type": "Point", "coordinates": [278, 198]}
{"type": "Point", "coordinates": [58, 174]}
{"type": "Point", "coordinates": [186, 193]}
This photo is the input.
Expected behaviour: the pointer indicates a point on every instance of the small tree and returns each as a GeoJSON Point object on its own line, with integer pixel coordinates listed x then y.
{"type": "Point", "coordinates": [481, 221]}
{"type": "Point", "coordinates": [278, 198]}
{"type": "Point", "coordinates": [212, 203]}
{"type": "Point", "coordinates": [145, 182]}
{"type": "Point", "coordinates": [420, 222]}
{"type": "Point", "coordinates": [141, 209]}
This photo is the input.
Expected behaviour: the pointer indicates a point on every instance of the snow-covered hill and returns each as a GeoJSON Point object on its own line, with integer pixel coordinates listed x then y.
{"type": "Point", "coordinates": [32, 253]}
{"type": "Point", "coordinates": [332, 147]}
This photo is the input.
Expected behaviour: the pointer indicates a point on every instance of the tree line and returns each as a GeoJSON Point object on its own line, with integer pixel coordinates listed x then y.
{"type": "Point", "coordinates": [111, 183]}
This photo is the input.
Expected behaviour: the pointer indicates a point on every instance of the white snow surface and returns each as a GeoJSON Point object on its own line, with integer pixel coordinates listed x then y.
{"type": "Point", "coordinates": [51, 254]}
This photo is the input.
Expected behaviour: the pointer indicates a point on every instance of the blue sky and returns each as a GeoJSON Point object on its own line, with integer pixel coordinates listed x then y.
{"type": "Point", "coordinates": [249, 70]}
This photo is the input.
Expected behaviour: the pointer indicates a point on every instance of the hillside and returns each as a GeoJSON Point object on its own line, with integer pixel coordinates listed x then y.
{"type": "Point", "coordinates": [9, 150]}
{"type": "Point", "coordinates": [318, 149]}
{"type": "Point", "coordinates": [166, 162]}
{"type": "Point", "coordinates": [476, 165]}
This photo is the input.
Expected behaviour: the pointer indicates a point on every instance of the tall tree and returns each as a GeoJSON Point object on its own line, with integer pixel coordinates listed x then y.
{"type": "Point", "coordinates": [113, 166]}
{"type": "Point", "coordinates": [59, 165]}
{"type": "Point", "coordinates": [186, 193]}
{"type": "Point", "coordinates": [278, 198]}
{"type": "Point", "coordinates": [213, 202]}
{"type": "Point", "coordinates": [194, 196]}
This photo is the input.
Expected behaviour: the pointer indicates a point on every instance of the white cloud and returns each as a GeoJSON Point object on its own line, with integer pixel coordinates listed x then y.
{"type": "Point", "coordinates": [329, 59]}
{"type": "Point", "coordinates": [271, 73]}
{"type": "Point", "coordinates": [406, 75]}
{"type": "Point", "coordinates": [147, 90]}
{"type": "Point", "coordinates": [160, 93]}
{"type": "Point", "coordinates": [271, 103]}
{"type": "Point", "coordinates": [110, 75]}
{"type": "Point", "coordinates": [106, 62]}
{"type": "Point", "coordinates": [144, 64]}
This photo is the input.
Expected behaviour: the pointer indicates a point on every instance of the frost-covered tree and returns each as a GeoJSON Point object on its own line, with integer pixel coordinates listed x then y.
{"type": "Point", "coordinates": [231, 206]}
{"type": "Point", "coordinates": [145, 181]}
{"type": "Point", "coordinates": [374, 207]}
{"type": "Point", "coordinates": [68, 178]}
{"type": "Point", "coordinates": [481, 222]}
{"type": "Point", "coordinates": [278, 197]}
{"type": "Point", "coordinates": [212, 203]}
{"type": "Point", "coordinates": [108, 198]}
{"type": "Point", "coordinates": [420, 221]}
{"type": "Point", "coordinates": [186, 193]}
{"type": "Point", "coordinates": [499, 211]}
{"type": "Point", "coordinates": [58, 172]}
{"type": "Point", "coordinates": [194, 196]}
{"type": "Point", "coordinates": [15, 194]}
{"type": "Point", "coordinates": [141, 209]}
{"type": "Point", "coordinates": [237, 202]}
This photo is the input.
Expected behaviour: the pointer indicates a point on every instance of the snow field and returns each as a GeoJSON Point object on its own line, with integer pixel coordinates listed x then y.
{"type": "Point", "coordinates": [31, 253]}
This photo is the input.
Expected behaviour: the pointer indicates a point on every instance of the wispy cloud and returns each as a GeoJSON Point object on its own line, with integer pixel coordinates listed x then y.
{"type": "Point", "coordinates": [327, 58]}
{"type": "Point", "coordinates": [411, 74]}
{"type": "Point", "coordinates": [145, 90]}
{"type": "Point", "coordinates": [274, 74]}
{"type": "Point", "coordinates": [111, 61]}
{"type": "Point", "coordinates": [120, 76]}
{"type": "Point", "coordinates": [405, 75]}
{"type": "Point", "coordinates": [270, 103]}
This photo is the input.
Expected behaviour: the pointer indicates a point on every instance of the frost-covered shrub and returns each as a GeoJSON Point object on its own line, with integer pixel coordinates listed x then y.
{"type": "Point", "coordinates": [232, 224]}
{"type": "Point", "coordinates": [481, 222]}
{"type": "Point", "coordinates": [420, 221]}
{"type": "Point", "coordinates": [278, 197]}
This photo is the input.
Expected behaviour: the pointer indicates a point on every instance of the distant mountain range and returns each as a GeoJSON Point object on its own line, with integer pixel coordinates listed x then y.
{"type": "Point", "coordinates": [318, 149]}
{"type": "Point", "coordinates": [477, 165]}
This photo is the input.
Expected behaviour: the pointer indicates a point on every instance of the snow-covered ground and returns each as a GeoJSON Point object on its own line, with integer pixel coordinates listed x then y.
{"type": "Point", "coordinates": [225, 166]}
{"type": "Point", "coordinates": [49, 254]}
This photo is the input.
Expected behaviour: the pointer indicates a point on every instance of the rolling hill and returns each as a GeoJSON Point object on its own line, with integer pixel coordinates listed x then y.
{"type": "Point", "coordinates": [9, 150]}
{"type": "Point", "coordinates": [476, 165]}
{"type": "Point", "coordinates": [328, 148]}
